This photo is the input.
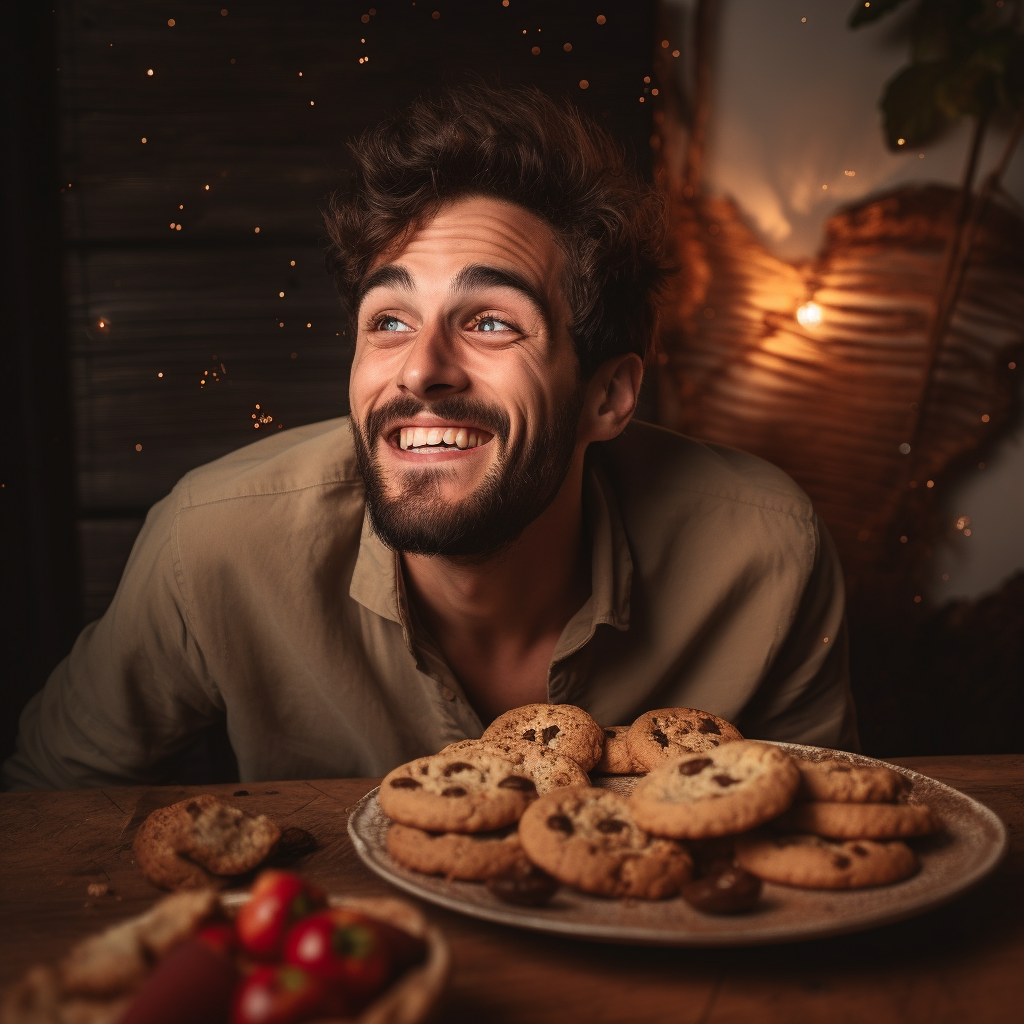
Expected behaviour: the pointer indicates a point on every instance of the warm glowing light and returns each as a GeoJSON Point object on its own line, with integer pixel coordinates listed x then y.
{"type": "Point", "coordinates": [850, 174]}
{"type": "Point", "coordinates": [311, 103]}
{"type": "Point", "coordinates": [102, 323]}
{"type": "Point", "coordinates": [901, 142]}
{"type": "Point", "coordinates": [206, 187]}
{"type": "Point", "coordinates": [962, 522]}
{"type": "Point", "coordinates": [567, 47]}
{"type": "Point", "coordinates": [257, 230]}
{"type": "Point", "coordinates": [180, 206]}
{"type": "Point", "coordinates": [309, 325]}
{"type": "Point", "coordinates": [984, 419]}
{"type": "Point", "coordinates": [929, 483]}
{"type": "Point", "coordinates": [280, 295]}
{"type": "Point", "coordinates": [138, 447]}
{"type": "Point", "coordinates": [436, 15]}
{"type": "Point", "coordinates": [675, 53]}
{"type": "Point", "coordinates": [292, 263]}
{"type": "Point", "coordinates": [143, 139]}
{"type": "Point", "coordinates": [150, 72]}
{"type": "Point", "coordinates": [904, 448]}
{"type": "Point", "coordinates": [584, 84]}
{"type": "Point", "coordinates": [170, 21]}
{"type": "Point", "coordinates": [535, 50]}
{"type": "Point", "coordinates": [601, 19]}
{"type": "Point", "coordinates": [809, 315]}
{"type": "Point", "coordinates": [160, 374]}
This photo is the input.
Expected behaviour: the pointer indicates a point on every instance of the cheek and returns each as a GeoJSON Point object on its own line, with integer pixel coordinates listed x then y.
{"type": "Point", "coordinates": [367, 379]}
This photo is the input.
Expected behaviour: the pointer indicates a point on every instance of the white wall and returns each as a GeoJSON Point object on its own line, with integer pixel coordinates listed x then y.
{"type": "Point", "coordinates": [795, 105]}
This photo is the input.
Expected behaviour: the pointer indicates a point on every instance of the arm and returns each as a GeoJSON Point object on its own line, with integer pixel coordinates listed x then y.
{"type": "Point", "coordinates": [134, 689]}
{"type": "Point", "coordinates": [806, 696]}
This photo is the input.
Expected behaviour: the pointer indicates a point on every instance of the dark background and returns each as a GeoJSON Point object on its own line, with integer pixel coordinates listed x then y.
{"type": "Point", "coordinates": [114, 318]}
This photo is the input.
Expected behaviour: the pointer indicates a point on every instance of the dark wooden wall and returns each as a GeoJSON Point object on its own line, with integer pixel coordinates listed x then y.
{"type": "Point", "coordinates": [175, 336]}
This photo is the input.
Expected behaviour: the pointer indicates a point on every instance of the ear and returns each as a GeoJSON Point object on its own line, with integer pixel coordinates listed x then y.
{"type": "Point", "coordinates": [611, 398]}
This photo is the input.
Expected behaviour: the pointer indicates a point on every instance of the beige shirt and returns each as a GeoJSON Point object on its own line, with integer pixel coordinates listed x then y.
{"type": "Point", "coordinates": [256, 591]}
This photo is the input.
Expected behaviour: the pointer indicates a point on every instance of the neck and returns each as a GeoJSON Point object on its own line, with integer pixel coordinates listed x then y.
{"type": "Point", "coordinates": [510, 608]}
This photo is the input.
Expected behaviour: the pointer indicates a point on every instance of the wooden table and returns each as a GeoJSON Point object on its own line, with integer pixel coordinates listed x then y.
{"type": "Point", "coordinates": [961, 963]}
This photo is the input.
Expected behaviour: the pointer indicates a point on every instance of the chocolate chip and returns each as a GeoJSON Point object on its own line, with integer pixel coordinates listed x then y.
{"type": "Point", "coordinates": [659, 737]}
{"type": "Point", "coordinates": [709, 725]}
{"type": "Point", "coordinates": [610, 733]}
{"type": "Point", "coordinates": [425, 769]}
{"type": "Point", "coordinates": [402, 782]}
{"type": "Point", "coordinates": [453, 791]}
{"type": "Point", "coordinates": [240, 792]}
{"type": "Point", "coordinates": [694, 767]}
{"type": "Point", "coordinates": [840, 861]}
{"type": "Point", "coordinates": [518, 782]}
{"type": "Point", "coordinates": [859, 850]}
{"type": "Point", "coordinates": [610, 826]}
{"type": "Point", "coordinates": [725, 889]}
{"type": "Point", "coordinates": [550, 733]}
{"type": "Point", "coordinates": [560, 823]}
{"type": "Point", "coordinates": [725, 780]}
{"type": "Point", "coordinates": [456, 766]}
{"type": "Point", "coordinates": [194, 809]}
{"type": "Point", "coordinates": [524, 885]}
{"type": "Point", "coordinates": [530, 734]}
{"type": "Point", "coordinates": [683, 731]}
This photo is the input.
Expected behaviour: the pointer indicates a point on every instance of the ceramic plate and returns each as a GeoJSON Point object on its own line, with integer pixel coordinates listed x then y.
{"type": "Point", "coordinates": [974, 842]}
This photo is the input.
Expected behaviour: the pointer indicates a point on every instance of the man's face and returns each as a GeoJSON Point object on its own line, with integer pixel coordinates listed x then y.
{"type": "Point", "coordinates": [464, 389]}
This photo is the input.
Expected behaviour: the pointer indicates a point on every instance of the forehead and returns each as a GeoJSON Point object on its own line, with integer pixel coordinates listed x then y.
{"type": "Point", "coordinates": [479, 229]}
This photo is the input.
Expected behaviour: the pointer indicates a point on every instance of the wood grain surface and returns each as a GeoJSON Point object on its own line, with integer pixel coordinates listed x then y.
{"type": "Point", "coordinates": [960, 963]}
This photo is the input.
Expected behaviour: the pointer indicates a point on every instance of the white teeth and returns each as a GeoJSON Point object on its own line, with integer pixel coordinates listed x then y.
{"type": "Point", "coordinates": [433, 437]}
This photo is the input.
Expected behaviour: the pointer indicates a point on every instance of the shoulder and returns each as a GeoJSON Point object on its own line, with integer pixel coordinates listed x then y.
{"type": "Point", "coordinates": [652, 466]}
{"type": "Point", "coordinates": [316, 457]}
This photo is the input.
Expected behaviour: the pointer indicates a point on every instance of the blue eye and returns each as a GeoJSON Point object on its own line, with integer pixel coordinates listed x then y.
{"type": "Point", "coordinates": [391, 323]}
{"type": "Point", "coordinates": [491, 323]}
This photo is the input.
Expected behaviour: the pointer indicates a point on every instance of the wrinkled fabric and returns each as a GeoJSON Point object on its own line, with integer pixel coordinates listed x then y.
{"type": "Point", "coordinates": [257, 594]}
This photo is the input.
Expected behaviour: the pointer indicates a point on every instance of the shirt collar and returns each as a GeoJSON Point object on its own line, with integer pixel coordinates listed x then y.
{"type": "Point", "coordinates": [377, 582]}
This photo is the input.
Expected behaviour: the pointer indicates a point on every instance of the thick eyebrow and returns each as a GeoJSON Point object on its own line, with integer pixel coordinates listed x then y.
{"type": "Point", "coordinates": [479, 275]}
{"type": "Point", "coordinates": [390, 275]}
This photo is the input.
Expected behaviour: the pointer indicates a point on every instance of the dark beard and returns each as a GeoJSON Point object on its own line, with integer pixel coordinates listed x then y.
{"type": "Point", "coordinates": [517, 489]}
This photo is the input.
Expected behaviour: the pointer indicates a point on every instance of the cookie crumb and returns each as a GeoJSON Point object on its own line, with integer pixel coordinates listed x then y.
{"type": "Point", "coordinates": [98, 889]}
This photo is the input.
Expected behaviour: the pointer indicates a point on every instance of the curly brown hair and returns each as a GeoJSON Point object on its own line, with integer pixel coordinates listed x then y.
{"type": "Point", "coordinates": [516, 144]}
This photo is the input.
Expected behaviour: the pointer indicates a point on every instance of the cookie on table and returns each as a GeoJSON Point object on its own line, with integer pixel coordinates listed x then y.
{"type": "Point", "coordinates": [722, 792]}
{"type": "Point", "coordinates": [470, 856]}
{"type": "Point", "coordinates": [861, 821]}
{"type": "Point", "coordinates": [617, 759]}
{"type": "Point", "coordinates": [660, 736]}
{"type": "Point", "coordinates": [841, 781]}
{"type": "Point", "coordinates": [189, 844]}
{"type": "Point", "coordinates": [813, 862]}
{"type": "Point", "coordinates": [588, 839]}
{"type": "Point", "coordinates": [468, 791]}
{"type": "Point", "coordinates": [564, 728]}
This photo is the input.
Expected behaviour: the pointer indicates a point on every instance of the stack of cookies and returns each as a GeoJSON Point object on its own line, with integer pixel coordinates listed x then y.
{"type": "Point", "coordinates": [519, 799]}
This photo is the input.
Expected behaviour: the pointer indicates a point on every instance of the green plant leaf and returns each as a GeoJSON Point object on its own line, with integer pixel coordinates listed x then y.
{"type": "Point", "coordinates": [865, 13]}
{"type": "Point", "coordinates": [968, 90]}
{"type": "Point", "coordinates": [910, 105]}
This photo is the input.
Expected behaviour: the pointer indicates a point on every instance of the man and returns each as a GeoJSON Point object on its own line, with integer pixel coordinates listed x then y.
{"type": "Point", "coordinates": [487, 529]}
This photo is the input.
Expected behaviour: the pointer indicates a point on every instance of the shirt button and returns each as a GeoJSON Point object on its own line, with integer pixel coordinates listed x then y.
{"type": "Point", "coordinates": [447, 693]}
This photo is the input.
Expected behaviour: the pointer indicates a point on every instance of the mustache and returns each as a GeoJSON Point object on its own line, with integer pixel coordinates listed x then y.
{"type": "Point", "coordinates": [382, 420]}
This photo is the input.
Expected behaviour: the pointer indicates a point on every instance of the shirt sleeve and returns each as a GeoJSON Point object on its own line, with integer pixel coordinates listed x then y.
{"type": "Point", "coordinates": [133, 691]}
{"type": "Point", "coordinates": [806, 697]}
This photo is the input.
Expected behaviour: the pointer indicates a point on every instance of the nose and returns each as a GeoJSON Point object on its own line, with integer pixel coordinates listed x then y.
{"type": "Point", "coordinates": [432, 368]}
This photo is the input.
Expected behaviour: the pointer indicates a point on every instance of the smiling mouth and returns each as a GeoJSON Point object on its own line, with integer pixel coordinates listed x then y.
{"type": "Point", "coordinates": [441, 438]}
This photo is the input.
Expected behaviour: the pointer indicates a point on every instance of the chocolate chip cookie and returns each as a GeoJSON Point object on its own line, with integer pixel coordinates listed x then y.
{"type": "Point", "coordinates": [660, 736]}
{"type": "Point", "coordinates": [468, 791]}
{"type": "Point", "coordinates": [551, 770]}
{"type": "Point", "coordinates": [470, 856]}
{"type": "Point", "coordinates": [722, 792]}
{"type": "Point", "coordinates": [189, 844]}
{"type": "Point", "coordinates": [815, 863]}
{"type": "Point", "coordinates": [861, 821]}
{"type": "Point", "coordinates": [587, 838]}
{"type": "Point", "coordinates": [840, 781]}
{"type": "Point", "coordinates": [616, 758]}
{"type": "Point", "coordinates": [564, 728]}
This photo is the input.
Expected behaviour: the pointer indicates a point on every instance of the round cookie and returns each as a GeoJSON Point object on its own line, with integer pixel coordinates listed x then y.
{"type": "Point", "coordinates": [187, 844]}
{"type": "Point", "coordinates": [840, 781]}
{"type": "Point", "coordinates": [722, 792]}
{"type": "Point", "coordinates": [564, 728]}
{"type": "Point", "coordinates": [667, 734]}
{"type": "Point", "coordinates": [815, 863]}
{"type": "Point", "coordinates": [551, 770]}
{"type": "Point", "coordinates": [861, 821]}
{"type": "Point", "coordinates": [470, 791]}
{"type": "Point", "coordinates": [470, 856]}
{"type": "Point", "coordinates": [588, 839]}
{"type": "Point", "coordinates": [616, 758]}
